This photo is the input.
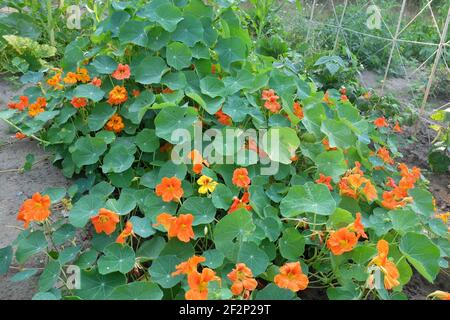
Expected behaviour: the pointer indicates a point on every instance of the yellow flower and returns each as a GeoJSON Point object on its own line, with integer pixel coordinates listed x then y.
{"type": "Point", "coordinates": [206, 184]}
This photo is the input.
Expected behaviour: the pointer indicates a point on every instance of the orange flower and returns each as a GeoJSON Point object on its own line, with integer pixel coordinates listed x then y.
{"type": "Point", "coordinates": [326, 99]}
{"type": "Point", "coordinates": [251, 144]}
{"type": "Point", "coordinates": [341, 241]}
{"type": "Point", "coordinates": [223, 118]}
{"type": "Point", "coordinates": [197, 161]}
{"type": "Point", "coordinates": [105, 221]}
{"type": "Point", "coordinates": [41, 102]}
{"type": "Point", "coordinates": [189, 266]}
{"type": "Point", "coordinates": [35, 209]}
{"type": "Point", "coordinates": [115, 124]}
{"type": "Point", "coordinates": [198, 284]}
{"type": "Point", "coordinates": [122, 72]}
{"type": "Point", "coordinates": [397, 128]}
{"type": "Point", "coordinates": [21, 105]}
{"type": "Point", "coordinates": [325, 180]}
{"type": "Point", "coordinates": [167, 91]}
{"type": "Point", "coordinates": [180, 227]}
{"type": "Point", "coordinates": [55, 82]}
{"type": "Point", "coordinates": [241, 178]}
{"type": "Point", "coordinates": [166, 147]}
{"type": "Point", "coordinates": [170, 189]}
{"type": "Point", "coordinates": [242, 278]}
{"type": "Point", "coordinates": [298, 110]}
{"type": "Point", "coordinates": [241, 203]}
{"type": "Point", "coordinates": [384, 155]}
{"type": "Point", "coordinates": [96, 82]}
{"type": "Point", "coordinates": [291, 277]}
{"type": "Point", "coordinates": [392, 201]}
{"type": "Point", "coordinates": [326, 144]}
{"type": "Point", "coordinates": [20, 135]}
{"type": "Point", "coordinates": [71, 78]}
{"type": "Point", "coordinates": [441, 295]}
{"type": "Point", "coordinates": [443, 216]}
{"type": "Point", "coordinates": [128, 231]}
{"type": "Point", "coordinates": [343, 90]}
{"type": "Point", "coordinates": [135, 93]}
{"type": "Point", "coordinates": [271, 100]}
{"type": "Point", "coordinates": [344, 98]}
{"type": "Point", "coordinates": [79, 102]}
{"type": "Point", "coordinates": [83, 75]}
{"type": "Point", "coordinates": [357, 226]}
{"type": "Point", "coordinates": [389, 268]}
{"type": "Point", "coordinates": [35, 109]}
{"type": "Point", "coordinates": [117, 95]}
{"type": "Point", "coordinates": [381, 122]}
{"type": "Point", "coordinates": [354, 184]}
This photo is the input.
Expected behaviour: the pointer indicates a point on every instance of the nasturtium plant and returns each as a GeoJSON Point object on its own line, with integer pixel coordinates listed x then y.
{"type": "Point", "coordinates": [203, 170]}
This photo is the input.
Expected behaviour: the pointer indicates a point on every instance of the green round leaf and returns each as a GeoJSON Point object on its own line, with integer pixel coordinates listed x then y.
{"type": "Point", "coordinates": [178, 55]}
{"type": "Point", "coordinates": [117, 257]}
{"type": "Point", "coordinates": [315, 198]}
{"type": "Point", "coordinates": [142, 290]}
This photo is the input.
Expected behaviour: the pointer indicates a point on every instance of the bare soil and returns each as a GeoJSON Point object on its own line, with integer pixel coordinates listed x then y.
{"type": "Point", "coordinates": [15, 187]}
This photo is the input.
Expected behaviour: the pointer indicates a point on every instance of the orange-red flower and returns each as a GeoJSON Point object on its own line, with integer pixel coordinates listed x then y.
{"type": "Point", "coordinates": [327, 100]}
{"type": "Point", "coordinates": [389, 268]}
{"type": "Point", "coordinates": [55, 82]}
{"type": "Point", "coordinates": [440, 295]}
{"type": "Point", "coordinates": [166, 147]}
{"type": "Point", "coordinates": [298, 110]}
{"type": "Point", "coordinates": [198, 284]}
{"type": "Point", "coordinates": [105, 221]}
{"type": "Point", "coordinates": [34, 109]}
{"type": "Point", "coordinates": [197, 161]}
{"type": "Point", "coordinates": [223, 118]}
{"type": "Point", "coordinates": [291, 277]}
{"type": "Point", "coordinates": [83, 75]}
{"type": "Point", "coordinates": [189, 266]}
{"type": "Point", "coordinates": [179, 227]}
{"type": "Point", "coordinates": [96, 82]}
{"type": "Point", "coordinates": [115, 124]}
{"type": "Point", "coordinates": [170, 189]}
{"type": "Point", "coordinates": [354, 184]}
{"type": "Point", "coordinates": [341, 241]}
{"type": "Point", "coordinates": [117, 95]}
{"type": "Point", "coordinates": [41, 101]}
{"type": "Point", "coordinates": [381, 122]}
{"type": "Point", "coordinates": [20, 135]}
{"type": "Point", "coordinates": [128, 231]}
{"type": "Point", "coordinates": [79, 102]}
{"type": "Point", "coordinates": [21, 105]}
{"type": "Point", "coordinates": [384, 155]}
{"type": "Point", "coordinates": [35, 209]}
{"type": "Point", "coordinates": [325, 180]}
{"type": "Point", "coordinates": [326, 144]}
{"type": "Point", "coordinates": [242, 278]}
{"type": "Point", "coordinates": [271, 100]}
{"type": "Point", "coordinates": [122, 72]}
{"type": "Point", "coordinates": [241, 203]}
{"type": "Point", "coordinates": [343, 90]}
{"type": "Point", "coordinates": [241, 178]}
{"type": "Point", "coordinates": [70, 78]}
{"type": "Point", "coordinates": [344, 98]}
{"type": "Point", "coordinates": [135, 93]}
{"type": "Point", "coordinates": [397, 128]}
{"type": "Point", "coordinates": [357, 227]}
